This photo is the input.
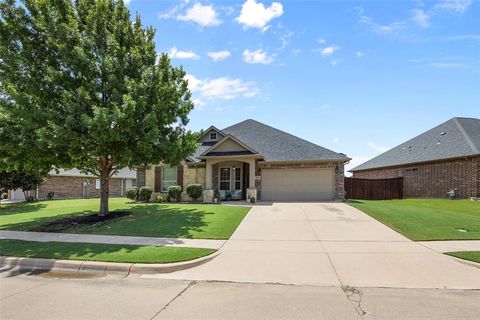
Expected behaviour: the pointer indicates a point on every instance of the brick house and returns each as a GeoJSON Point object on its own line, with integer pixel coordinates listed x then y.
{"type": "Point", "coordinates": [441, 159]}
{"type": "Point", "coordinates": [251, 159]}
{"type": "Point", "coordinates": [74, 184]}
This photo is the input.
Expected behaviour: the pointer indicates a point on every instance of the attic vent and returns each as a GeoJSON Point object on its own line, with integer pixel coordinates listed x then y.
{"type": "Point", "coordinates": [443, 133]}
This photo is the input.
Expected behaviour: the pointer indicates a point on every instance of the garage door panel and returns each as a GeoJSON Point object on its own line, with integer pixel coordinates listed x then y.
{"type": "Point", "coordinates": [297, 184]}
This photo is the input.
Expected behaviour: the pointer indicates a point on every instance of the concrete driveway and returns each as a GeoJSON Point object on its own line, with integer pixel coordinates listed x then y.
{"type": "Point", "coordinates": [328, 244]}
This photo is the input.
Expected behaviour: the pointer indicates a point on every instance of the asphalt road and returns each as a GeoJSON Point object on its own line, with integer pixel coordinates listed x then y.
{"type": "Point", "coordinates": [66, 296]}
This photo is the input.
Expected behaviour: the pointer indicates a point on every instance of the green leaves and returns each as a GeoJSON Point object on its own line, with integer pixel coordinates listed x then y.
{"type": "Point", "coordinates": [82, 86]}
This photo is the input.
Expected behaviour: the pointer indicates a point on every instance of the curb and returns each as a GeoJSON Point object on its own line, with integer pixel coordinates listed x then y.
{"type": "Point", "coordinates": [46, 265]}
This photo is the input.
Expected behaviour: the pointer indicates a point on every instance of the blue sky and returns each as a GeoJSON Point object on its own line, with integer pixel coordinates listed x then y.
{"type": "Point", "coordinates": [355, 77]}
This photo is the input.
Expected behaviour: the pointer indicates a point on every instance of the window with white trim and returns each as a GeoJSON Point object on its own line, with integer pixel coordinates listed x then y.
{"type": "Point", "coordinates": [213, 136]}
{"type": "Point", "coordinates": [238, 179]}
{"type": "Point", "coordinates": [169, 178]}
{"type": "Point", "coordinates": [224, 178]}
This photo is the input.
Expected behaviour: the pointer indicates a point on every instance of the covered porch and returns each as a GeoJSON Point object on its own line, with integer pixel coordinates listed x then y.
{"type": "Point", "coordinates": [233, 178]}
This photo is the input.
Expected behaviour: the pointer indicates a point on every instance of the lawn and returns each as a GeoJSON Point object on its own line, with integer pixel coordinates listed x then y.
{"type": "Point", "coordinates": [149, 219]}
{"type": "Point", "coordinates": [99, 252]}
{"type": "Point", "coordinates": [466, 255]}
{"type": "Point", "coordinates": [426, 219]}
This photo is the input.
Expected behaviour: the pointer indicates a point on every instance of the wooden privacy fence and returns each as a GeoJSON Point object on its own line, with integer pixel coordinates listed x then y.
{"type": "Point", "coordinates": [374, 189]}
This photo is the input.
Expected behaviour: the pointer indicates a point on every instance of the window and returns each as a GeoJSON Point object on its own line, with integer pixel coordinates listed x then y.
{"type": "Point", "coordinates": [238, 179]}
{"type": "Point", "coordinates": [169, 178]}
{"type": "Point", "coordinates": [224, 178]}
{"type": "Point", "coordinates": [213, 136]}
{"type": "Point", "coordinates": [97, 184]}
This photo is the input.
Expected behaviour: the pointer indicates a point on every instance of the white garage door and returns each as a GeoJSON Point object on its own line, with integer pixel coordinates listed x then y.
{"type": "Point", "coordinates": [297, 184]}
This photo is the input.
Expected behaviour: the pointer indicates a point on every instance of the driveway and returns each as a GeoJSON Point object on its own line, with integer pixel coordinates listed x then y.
{"type": "Point", "coordinates": [328, 244]}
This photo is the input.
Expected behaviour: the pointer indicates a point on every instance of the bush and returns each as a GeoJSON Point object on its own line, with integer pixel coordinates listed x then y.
{"type": "Point", "coordinates": [132, 193]}
{"type": "Point", "coordinates": [4, 195]}
{"type": "Point", "coordinates": [50, 195]}
{"type": "Point", "coordinates": [175, 192]}
{"type": "Point", "coordinates": [145, 193]}
{"type": "Point", "coordinates": [194, 191]}
{"type": "Point", "coordinates": [252, 199]}
{"type": "Point", "coordinates": [159, 199]}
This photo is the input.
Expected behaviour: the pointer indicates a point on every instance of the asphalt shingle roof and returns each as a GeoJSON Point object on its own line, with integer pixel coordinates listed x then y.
{"type": "Point", "coordinates": [457, 137]}
{"type": "Point", "coordinates": [277, 145]}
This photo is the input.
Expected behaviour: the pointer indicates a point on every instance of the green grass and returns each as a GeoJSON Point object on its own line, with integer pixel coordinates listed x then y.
{"type": "Point", "coordinates": [426, 219]}
{"type": "Point", "coordinates": [149, 219]}
{"type": "Point", "coordinates": [99, 251]}
{"type": "Point", "coordinates": [466, 255]}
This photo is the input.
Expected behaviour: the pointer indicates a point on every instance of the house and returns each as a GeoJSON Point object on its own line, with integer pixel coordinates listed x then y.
{"type": "Point", "coordinates": [75, 184]}
{"type": "Point", "coordinates": [444, 158]}
{"type": "Point", "coordinates": [251, 159]}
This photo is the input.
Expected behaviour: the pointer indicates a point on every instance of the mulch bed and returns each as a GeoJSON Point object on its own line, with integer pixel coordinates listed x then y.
{"type": "Point", "coordinates": [83, 220]}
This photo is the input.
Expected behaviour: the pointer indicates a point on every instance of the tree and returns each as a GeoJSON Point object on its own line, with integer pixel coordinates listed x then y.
{"type": "Point", "coordinates": [27, 181]}
{"type": "Point", "coordinates": [82, 87]}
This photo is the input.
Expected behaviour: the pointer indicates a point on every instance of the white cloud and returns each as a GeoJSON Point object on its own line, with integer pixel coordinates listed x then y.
{"type": "Point", "coordinates": [360, 54]}
{"type": "Point", "coordinates": [174, 53]}
{"type": "Point", "coordinates": [376, 147]}
{"type": "Point", "coordinates": [385, 28]}
{"type": "Point", "coordinates": [328, 51]}
{"type": "Point", "coordinates": [333, 63]}
{"type": "Point", "coordinates": [199, 104]}
{"type": "Point", "coordinates": [127, 2]}
{"type": "Point", "coordinates": [465, 37]}
{"type": "Point", "coordinates": [356, 161]}
{"type": "Point", "coordinates": [420, 17]}
{"type": "Point", "coordinates": [336, 140]}
{"type": "Point", "coordinates": [321, 40]}
{"type": "Point", "coordinates": [449, 65]}
{"type": "Point", "coordinates": [459, 6]}
{"type": "Point", "coordinates": [285, 39]}
{"type": "Point", "coordinates": [257, 56]}
{"type": "Point", "coordinates": [170, 13]}
{"type": "Point", "coordinates": [219, 55]}
{"type": "Point", "coordinates": [224, 88]}
{"type": "Point", "coordinates": [204, 15]}
{"type": "Point", "coordinates": [255, 15]}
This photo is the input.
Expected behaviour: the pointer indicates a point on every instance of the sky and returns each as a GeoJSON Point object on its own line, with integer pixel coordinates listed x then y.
{"type": "Point", "coordinates": [355, 77]}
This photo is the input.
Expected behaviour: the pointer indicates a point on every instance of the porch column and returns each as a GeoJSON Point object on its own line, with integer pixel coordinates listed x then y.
{"type": "Point", "coordinates": [208, 175]}
{"type": "Point", "coordinates": [251, 174]}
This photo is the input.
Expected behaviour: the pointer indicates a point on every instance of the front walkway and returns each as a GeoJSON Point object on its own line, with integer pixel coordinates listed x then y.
{"type": "Point", "coordinates": [452, 245]}
{"type": "Point", "coordinates": [93, 238]}
{"type": "Point", "coordinates": [327, 244]}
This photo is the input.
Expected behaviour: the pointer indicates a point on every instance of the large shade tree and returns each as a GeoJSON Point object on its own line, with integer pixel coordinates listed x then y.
{"type": "Point", "coordinates": [83, 86]}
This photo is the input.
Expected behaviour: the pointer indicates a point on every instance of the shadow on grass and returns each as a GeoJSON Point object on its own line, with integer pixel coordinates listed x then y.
{"type": "Point", "coordinates": [152, 220]}
{"type": "Point", "coordinates": [354, 201]}
{"type": "Point", "coordinates": [20, 207]}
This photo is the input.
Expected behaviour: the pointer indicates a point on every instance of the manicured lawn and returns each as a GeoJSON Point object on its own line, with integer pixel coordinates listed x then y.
{"type": "Point", "coordinates": [150, 219]}
{"type": "Point", "coordinates": [426, 219]}
{"type": "Point", "coordinates": [99, 252]}
{"type": "Point", "coordinates": [466, 255]}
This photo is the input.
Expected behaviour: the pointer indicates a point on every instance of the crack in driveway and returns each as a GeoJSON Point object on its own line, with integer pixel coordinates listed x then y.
{"type": "Point", "coordinates": [355, 296]}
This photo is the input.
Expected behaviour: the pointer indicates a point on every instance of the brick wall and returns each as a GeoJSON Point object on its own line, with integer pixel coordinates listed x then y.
{"type": "Point", "coordinates": [72, 187]}
{"type": "Point", "coordinates": [433, 179]}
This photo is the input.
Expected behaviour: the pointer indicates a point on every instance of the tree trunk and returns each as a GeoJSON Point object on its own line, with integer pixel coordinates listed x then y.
{"type": "Point", "coordinates": [104, 191]}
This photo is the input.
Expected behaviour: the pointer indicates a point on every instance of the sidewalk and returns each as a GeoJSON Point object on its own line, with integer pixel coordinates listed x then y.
{"type": "Point", "coordinates": [452, 245]}
{"type": "Point", "coordinates": [93, 238]}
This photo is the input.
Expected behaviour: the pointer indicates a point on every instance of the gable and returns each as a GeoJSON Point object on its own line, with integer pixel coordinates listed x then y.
{"type": "Point", "coordinates": [228, 146]}
{"type": "Point", "coordinates": [212, 135]}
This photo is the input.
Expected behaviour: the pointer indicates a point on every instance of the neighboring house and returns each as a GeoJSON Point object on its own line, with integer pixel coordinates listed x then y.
{"type": "Point", "coordinates": [444, 158]}
{"type": "Point", "coordinates": [74, 184]}
{"type": "Point", "coordinates": [251, 159]}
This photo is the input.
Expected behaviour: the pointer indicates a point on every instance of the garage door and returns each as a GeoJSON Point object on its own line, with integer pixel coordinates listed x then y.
{"type": "Point", "coordinates": [297, 184]}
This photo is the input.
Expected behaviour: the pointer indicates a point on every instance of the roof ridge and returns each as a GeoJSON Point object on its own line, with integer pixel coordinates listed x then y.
{"type": "Point", "coordinates": [266, 125]}
{"type": "Point", "coordinates": [465, 135]}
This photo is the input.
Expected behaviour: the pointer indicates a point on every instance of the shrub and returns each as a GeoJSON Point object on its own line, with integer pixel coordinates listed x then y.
{"type": "Point", "coordinates": [4, 195]}
{"type": "Point", "coordinates": [194, 191]}
{"type": "Point", "coordinates": [175, 192]}
{"type": "Point", "coordinates": [159, 199]}
{"type": "Point", "coordinates": [252, 199]}
{"type": "Point", "coordinates": [145, 193]}
{"type": "Point", "coordinates": [50, 195]}
{"type": "Point", "coordinates": [132, 193]}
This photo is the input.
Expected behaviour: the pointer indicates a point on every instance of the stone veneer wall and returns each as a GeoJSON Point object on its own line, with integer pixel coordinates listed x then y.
{"type": "Point", "coordinates": [433, 179]}
{"type": "Point", "coordinates": [339, 176]}
{"type": "Point", "coordinates": [72, 187]}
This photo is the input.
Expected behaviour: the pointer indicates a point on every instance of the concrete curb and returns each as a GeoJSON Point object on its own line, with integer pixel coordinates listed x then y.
{"type": "Point", "coordinates": [37, 264]}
